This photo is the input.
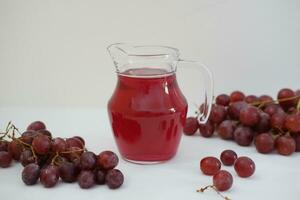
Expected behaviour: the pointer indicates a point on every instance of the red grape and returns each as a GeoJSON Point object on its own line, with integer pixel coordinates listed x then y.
{"type": "Point", "coordinates": [49, 176]}
{"type": "Point", "coordinates": [226, 129]}
{"type": "Point", "coordinates": [285, 145]}
{"type": "Point", "coordinates": [207, 129]}
{"type": "Point", "coordinates": [68, 172]}
{"type": "Point", "coordinates": [74, 142]}
{"type": "Point", "coordinates": [3, 145]}
{"type": "Point", "coordinates": [223, 99]}
{"type": "Point", "coordinates": [251, 99]}
{"type": "Point", "coordinates": [292, 123]}
{"type": "Point", "coordinates": [235, 108]}
{"type": "Point", "coordinates": [272, 109]}
{"type": "Point", "coordinates": [88, 160]}
{"type": "Point", "coordinates": [26, 157]}
{"type": "Point", "coordinates": [31, 174]}
{"type": "Point", "coordinates": [243, 135]}
{"type": "Point", "coordinates": [81, 139]}
{"type": "Point", "coordinates": [44, 132]}
{"type": "Point", "coordinates": [264, 143]}
{"type": "Point", "coordinates": [297, 141]}
{"type": "Point", "coordinates": [100, 176]}
{"type": "Point", "coordinates": [228, 157]}
{"type": "Point", "coordinates": [210, 165]}
{"type": "Point", "coordinates": [191, 126]}
{"type": "Point", "coordinates": [218, 114]}
{"type": "Point", "coordinates": [249, 116]}
{"type": "Point", "coordinates": [264, 123]}
{"type": "Point", "coordinates": [86, 179]}
{"type": "Point", "coordinates": [244, 166]}
{"type": "Point", "coordinates": [286, 93]}
{"type": "Point", "coordinates": [5, 159]}
{"type": "Point", "coordinates": [107, 160]}
{"type": "Point", "coordinates": [265, 100]}
{"type": "Point", "coordinates": [37, 125]}
{"type": "Point", "coordinates": [237, 96]}
{"type": "Point", "coordinates": [15, 149]}
{"type": "Point", "coordinates": [277, 120]}
{"type": "Point", "coordinates": [114, 178]}
{"type": "Point", "coordinates": [41, 144]}
{"type": "Point", "coordinates": [222, 180]}
{"type": "Point", "coordinates": [28, 136]}
{"type": "Point", "coordinates": [58, 145]}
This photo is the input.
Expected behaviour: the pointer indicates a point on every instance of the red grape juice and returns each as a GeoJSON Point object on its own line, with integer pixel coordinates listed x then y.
{"type": "Point", "coordinates": [147, 113]}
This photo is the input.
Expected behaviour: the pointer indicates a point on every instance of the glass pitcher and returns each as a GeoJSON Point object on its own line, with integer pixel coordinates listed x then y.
{"type": "Point", "coordinates": [147, 110]}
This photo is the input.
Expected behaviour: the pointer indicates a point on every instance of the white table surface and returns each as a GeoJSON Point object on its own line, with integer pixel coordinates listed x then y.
{"type": "Point", "coordinates": [276, 177]}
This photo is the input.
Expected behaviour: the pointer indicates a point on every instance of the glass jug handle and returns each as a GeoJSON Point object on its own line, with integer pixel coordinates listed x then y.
{"type": "Point", "coordinates": [203, 113]}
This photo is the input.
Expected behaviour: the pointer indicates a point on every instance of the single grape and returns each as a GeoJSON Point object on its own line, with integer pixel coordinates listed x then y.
{"type": "Point", "coordinates": [249, 116]}
{"type": "Point", "coordinates": [114, 178]}
{"type": "Point", "coordinates": [44, 132]}
{"type": "Point", "coordinates": [81, 139]}
{"type": "Point", "coordinates": [74, 142]}
{"type": "Point", "coordinates": [243, 135]}
{"type": "Point", "coordinates": [86, 179]}
{"type": "Point", "coordinates": [207, 129]}
{"type": "Point", "coordinates": [88, 160]}
{"type": "Point", "coordinates": [223, 99]}
{"type": "Point", "coordinates": [4, 145]}
{"type": "Point", "coordinates": [58, 145]}
{"type": "Point", "coordinates": [210, 165]}
{"type": "Point", "coordinates": [226, 129]}
{"type": "Point", "coordinates": [292, 123]}
{"type": "Point", "coordinates": [31, 174]}
{"type": "Point", "coordinates": [191, 126]}
{"type": "Point", "coordinates": [244, 166]}
{"type": "Point", "coordinates": [107, 160]}
{"type": "Point", "coordinates": [285, 145]}
{"type": "Point", "coordinates": [15, 149]}
{"type": "Point", "coordinates": [37, 125]}
{"type": "Point", "coordinates": [277, 120]}
{"type": "Point", "coordinates": [237, 96]}
{"type": "Point", "coordinates": [272, 109]}
{"type": "Point", "coordinates": [251, 99]}
{"type": "Point", "coordinates": [264, 143]}
{"type": "Point", "coordinates": [265, 100]}
{"type": "Point", "coordinates": [218, 114]}
{"type": "Point", "coordinates": [100, 176]}
{"type": "Point", "coordinates": [297, 141]}
{"type": "Point", "coordinates": [5, 159]}
{"type": "Point", "coordinates": [222, 180]}
{"type": "Point", "coordinates": [28, 136]}
{"type": "Point", "coordinates": [264, 124]}
{"type": "Point", "coordinates": [235, 108]}
{"type": "Point", "coordinates": [41, 144]}
{"type": "Point", "coordinates": [74, 153]}
{"type": "Point", "coordinates": [68, 172]}
{"type": "Point", "coordinates": [283, 94]}
{"type": "Point", "coordinates": [228, 157]}
{"type": "Point", "coordinates": [49, 176]}
{"type": "Point", "coordinates": [26, 157]}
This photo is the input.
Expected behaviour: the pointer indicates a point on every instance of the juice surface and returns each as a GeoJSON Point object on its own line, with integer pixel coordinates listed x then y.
{"type": "Point", "coordinates": [147, 113]}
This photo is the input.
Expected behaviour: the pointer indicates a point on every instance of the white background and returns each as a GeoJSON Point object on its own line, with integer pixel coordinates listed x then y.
{"type": "Point", "coordinates": [54, 65]}
{"type": "Point", "coordinates": [53, 53]}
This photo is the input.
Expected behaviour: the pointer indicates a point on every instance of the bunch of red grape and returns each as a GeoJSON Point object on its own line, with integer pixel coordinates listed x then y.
{"type": "Point", "coordinates": [271, 124]}
{"type": "Point", "coordinates": [222, 179]}
{"type": "Point", "coordinates": [49, 159]}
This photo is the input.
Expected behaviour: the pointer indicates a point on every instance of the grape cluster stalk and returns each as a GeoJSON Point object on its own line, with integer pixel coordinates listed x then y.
{"type": "Point", "coordinates": [47, 160]}
{"type": "Point", "coordinates": [271, 124]}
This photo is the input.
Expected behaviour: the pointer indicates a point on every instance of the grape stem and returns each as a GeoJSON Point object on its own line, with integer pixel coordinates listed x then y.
{"type": "Point", "coordinates": [215, 189]}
